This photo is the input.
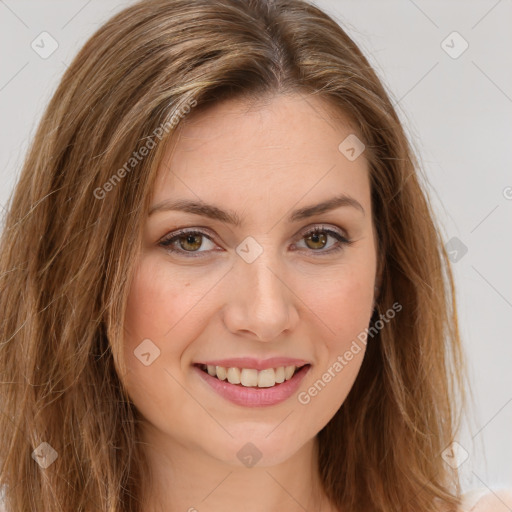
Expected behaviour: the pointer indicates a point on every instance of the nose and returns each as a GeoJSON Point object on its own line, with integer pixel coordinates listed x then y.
{"type": "Point", "coordinates": [261, 302]}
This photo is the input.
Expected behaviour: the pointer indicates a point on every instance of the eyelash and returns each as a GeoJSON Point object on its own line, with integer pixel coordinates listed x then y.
{"type": "Point", "coordinates": [168, 241]}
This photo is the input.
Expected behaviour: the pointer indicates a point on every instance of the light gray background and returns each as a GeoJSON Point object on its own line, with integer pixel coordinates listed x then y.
{"type": "Point", "coordinates": [457, 112]}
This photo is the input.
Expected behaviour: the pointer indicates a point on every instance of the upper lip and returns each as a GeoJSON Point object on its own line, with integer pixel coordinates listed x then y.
{"type": "Point", "coordinates": [257, 364]}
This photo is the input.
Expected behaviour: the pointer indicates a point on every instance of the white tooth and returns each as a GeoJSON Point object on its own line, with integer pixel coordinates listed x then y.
{"type": "Point", "coordinates": [266, 378]}
{"type": "Point", "coordinates": [280, 375]}
{"type": "Point", "coordinates": [288, 372]}
{"type": "Point", "coordinates": [249, 377]}
{"type": "Point", "coordinates": [233, 375]}
{"type": "Point", "coordinates": [221, 372]}
{"type": "Point", "coordinates": [211, 370]}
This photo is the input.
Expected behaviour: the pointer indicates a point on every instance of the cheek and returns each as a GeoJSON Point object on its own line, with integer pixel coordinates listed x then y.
{"type": "Point", "coordinates": [343, 304]}
{"type": "Point", "coordinates": [161, 303]}
{"type": "Point", "coordinates": [151, 299]}
{"type": "Point", "coordinates": [342, 310]}
{"type": "Point", "coordinates": [170, 309]}
{"type": "Point", "coordinates": [163, 314]}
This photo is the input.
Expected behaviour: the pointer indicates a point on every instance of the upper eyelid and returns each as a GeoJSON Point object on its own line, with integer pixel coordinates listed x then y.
{"type": "Point", "coordinates": [306, 229]}
{"type": "Point", "coordinates": [323, 227]}
{"type": "Point", "coordinates": [204, 231]}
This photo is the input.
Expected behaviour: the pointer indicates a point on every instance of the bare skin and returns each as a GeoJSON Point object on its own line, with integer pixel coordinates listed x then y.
{"type": "Point", "coordinates": [299, 298]}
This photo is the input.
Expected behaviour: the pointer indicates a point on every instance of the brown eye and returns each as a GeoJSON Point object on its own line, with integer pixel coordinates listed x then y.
{"type": "Point", "coordinates": [190, 242]}
{"type": "Point", "coordinates": [322, 241]}
{"type": "Point", "coordinates": [187, 243]}
{"type": "Point", "coordinates": [317, 240]}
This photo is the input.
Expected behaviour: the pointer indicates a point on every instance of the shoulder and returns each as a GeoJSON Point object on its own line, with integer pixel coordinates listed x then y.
{"type": "Point", "coordinates": [487, 500]}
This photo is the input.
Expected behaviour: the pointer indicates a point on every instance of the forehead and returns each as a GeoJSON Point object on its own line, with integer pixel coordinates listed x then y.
{"type": "Point", "coordinates": [282, 148]}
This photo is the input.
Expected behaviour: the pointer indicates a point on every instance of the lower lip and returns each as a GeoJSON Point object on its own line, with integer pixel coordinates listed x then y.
{"type": "Point", "coordinates": [254, 397]}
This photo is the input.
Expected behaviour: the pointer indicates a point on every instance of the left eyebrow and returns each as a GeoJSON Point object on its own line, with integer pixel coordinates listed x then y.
{"type": "Point", "coordinates": [230, 217]}
{"type": "Point", "coordinates": [325, 206]}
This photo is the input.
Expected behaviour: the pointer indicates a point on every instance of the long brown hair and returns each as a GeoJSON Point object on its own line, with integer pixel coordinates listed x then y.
{"type": "Point", "coordinates": [72, 235]}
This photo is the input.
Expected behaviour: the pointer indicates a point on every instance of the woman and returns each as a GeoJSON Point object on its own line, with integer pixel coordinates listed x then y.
{"type": "Point", "coordinates": [222, 284]}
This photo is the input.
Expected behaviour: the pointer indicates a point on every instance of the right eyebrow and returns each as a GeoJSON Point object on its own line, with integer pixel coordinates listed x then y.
{"type": "Point", "coordinates": [230, 217]}
{"type": "Point", "coordinates": [197, 208]}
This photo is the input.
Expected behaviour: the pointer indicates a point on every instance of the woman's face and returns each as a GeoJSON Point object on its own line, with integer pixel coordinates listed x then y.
{"type": "Point", "coordinates": [258, 294]}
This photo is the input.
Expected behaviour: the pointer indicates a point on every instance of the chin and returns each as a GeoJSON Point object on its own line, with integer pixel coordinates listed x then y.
{"type": "Point", "coordinates": [262, 446]}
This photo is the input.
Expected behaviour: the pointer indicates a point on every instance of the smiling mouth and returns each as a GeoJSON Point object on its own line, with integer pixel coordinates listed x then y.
{"type": "Point", "coordinates": [249, 377]}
